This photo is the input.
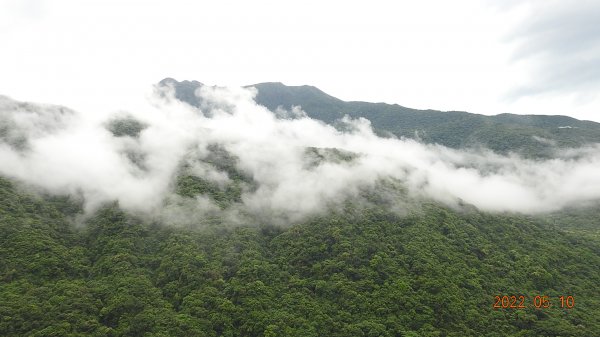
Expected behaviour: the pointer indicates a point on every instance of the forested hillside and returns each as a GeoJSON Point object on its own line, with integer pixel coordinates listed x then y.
{"type": "Point", "coordinates": [356, 272]}
{"type": "Point", "coordinates": [530, 135]}
{"type": "Point", "coordinates": [402, 168]}
{"type": "Point", "coordinates": [232, 220]}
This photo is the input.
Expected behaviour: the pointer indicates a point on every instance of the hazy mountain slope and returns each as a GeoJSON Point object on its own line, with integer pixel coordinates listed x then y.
{"type": "Point", "coordinates": [376, 260]}
{"type": "Point", "coordinates": [531, 135]}
{"type": "Point", "coordinates": [502, 133]}
{"type": "Point", "coordinates": [353, 273]}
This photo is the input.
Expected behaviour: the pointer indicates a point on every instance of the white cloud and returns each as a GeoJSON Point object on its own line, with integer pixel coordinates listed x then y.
{"type": "Point", "coordinates": [82, 157]}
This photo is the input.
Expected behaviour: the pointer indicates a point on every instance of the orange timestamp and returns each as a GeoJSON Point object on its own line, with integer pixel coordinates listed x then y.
{"type": "Point", "coordinates": [538, 302]}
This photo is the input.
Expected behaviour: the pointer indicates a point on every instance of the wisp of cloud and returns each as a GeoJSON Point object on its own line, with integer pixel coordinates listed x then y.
{"type": "Point", "coordinates": [64, 151]}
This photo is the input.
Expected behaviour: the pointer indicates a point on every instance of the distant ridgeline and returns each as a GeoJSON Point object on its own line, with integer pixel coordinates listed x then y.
{"type": "Point", "coordinates": [528, 135]}
{"type": "Point", "coordinates": [353, 271]}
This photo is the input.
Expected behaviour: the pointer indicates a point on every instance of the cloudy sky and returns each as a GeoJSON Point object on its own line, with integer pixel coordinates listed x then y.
{"type": "Point", "coordinates": [488, 57]}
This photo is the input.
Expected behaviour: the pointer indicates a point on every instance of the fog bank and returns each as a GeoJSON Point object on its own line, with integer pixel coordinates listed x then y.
{"type": "Point", "coordinates": [134, 157]}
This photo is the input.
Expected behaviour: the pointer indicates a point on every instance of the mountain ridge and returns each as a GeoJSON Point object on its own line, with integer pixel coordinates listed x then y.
{"type": "Point", "coordinates": [382, 262]}
{"type": "Point", "coordinates": [528, 135]}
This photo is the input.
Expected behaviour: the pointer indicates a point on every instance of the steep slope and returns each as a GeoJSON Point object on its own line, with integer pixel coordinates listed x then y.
{"type": "Point", "coordinates": [530, 135]}
{"type": "Point", "coordinates": [374, 264]}
{"type": "Point", "coordinates": [360, 272]}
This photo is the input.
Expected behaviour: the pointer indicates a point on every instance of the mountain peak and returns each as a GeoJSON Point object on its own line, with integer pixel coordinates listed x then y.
{"type": "Point", "coordinates": [172, 81]}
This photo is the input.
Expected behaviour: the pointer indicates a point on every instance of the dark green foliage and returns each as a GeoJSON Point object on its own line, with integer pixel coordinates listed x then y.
{"type": "Point", "coordinates": [125, 126]}
{"type": "Point", "coordinates": [189, 185]}
{"type": "Point", "coordinates": [357, 272]}
{"type": "Point", "coordinates": [224, 161]}
{"type": "Point", "coordinates": [584, 221]}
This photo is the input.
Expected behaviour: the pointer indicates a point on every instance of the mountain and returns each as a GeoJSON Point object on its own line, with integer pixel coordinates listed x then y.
{"type": "Point", "coordinates": [529, 135]}
{"type": "Point", "coordinates": [384, 261]}
{"type": "Point", "coordinates": [354, 272]}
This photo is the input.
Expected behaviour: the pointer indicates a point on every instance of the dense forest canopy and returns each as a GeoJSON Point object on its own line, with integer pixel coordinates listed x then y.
{"type": "Point", "coordinates": [227, 230]}
{"type": "Point", "coordinates": [357, 272]}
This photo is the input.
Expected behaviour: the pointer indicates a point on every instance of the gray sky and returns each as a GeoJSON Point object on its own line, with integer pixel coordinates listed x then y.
{"type": "Point", "coordinates": [529, 56]}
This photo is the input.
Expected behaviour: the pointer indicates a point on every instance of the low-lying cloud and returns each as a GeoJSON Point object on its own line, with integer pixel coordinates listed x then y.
{"type": "Point", "coordinates": [295, 167]}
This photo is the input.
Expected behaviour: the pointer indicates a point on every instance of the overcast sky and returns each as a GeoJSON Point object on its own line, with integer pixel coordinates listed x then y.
{"type": "Point", "coordinates": [489, 57]}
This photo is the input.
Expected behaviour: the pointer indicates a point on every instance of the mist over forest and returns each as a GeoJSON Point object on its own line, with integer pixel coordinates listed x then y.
{"type": "Point", "coordinates": [273, 210]}
{"type": "Point", "coordinates": [299, 169]}
{"type": "Point", "coordinates": [287, 164]}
